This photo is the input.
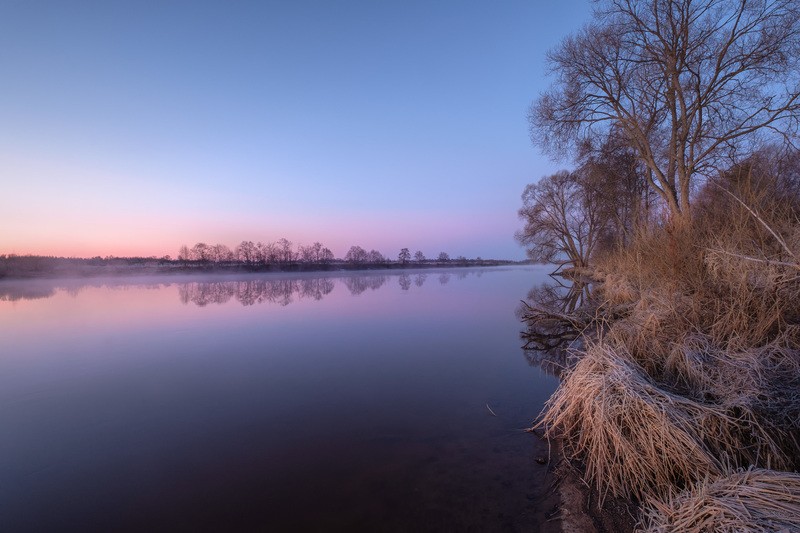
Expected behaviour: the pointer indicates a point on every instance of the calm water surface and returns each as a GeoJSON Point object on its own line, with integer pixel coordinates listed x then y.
{"type": "Point", "coordinates": [270, 403]}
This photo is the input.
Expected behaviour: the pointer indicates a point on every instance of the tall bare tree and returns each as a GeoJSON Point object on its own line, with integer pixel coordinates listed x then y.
{"type": "Point", "coordinates": [689, 83]}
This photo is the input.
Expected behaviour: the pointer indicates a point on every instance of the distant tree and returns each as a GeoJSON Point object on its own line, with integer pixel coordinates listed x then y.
{"type": "Point", "coordinates": [311, 253]}
{"type": "Point", "coordinates": [326, 256]}
{"type": "Point", "coordinates": [246, 252]}
{"type": "Point", "coordinates": [444, 257]}
{"type": "Point", "coordinates": [356, 254]}
{"type": "Point", "coordinates": [374, 256]}
{"type": "Point", "coordinates": [221, 253]}
{"type": "Point", "coordinates": [284, 249]}
{"type": "Point", "coordinates": [201, 252]}
{"type": "Point", "coordinates": [404, 256]}
{"type": "Point", "coordinates": [268, 253]}
{"type": "Point", "coordinates": [184, 254]}
{"type": "Point", "coordinates": [419, 257]}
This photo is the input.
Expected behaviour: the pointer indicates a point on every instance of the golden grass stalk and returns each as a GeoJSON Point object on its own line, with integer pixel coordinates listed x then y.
{"type": "Point", "coordinates": [752, 500]}
{"type": "Point", "coordinates": [638, 440]}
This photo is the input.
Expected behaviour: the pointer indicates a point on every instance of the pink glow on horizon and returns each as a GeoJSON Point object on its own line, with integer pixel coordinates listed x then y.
{"type": "Point", "coordinates": [160, 235]}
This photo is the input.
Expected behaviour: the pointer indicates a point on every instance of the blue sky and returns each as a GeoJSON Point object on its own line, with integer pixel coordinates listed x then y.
{"type": "Point", "coordinates": [130, 128]}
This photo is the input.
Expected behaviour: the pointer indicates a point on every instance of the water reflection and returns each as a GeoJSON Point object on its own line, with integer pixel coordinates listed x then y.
{"type": "Point", "coordinates": [404, 280]}
{"type": "Point", "coordinates": [254, 291]}
{"type": "Point", "coordinates": [156, 410]}
{"type": "Point", "coordinates": [551, 331]}
{"type": "Point", "coordinates": [16, 293]}
{"type": "Point", "coordinates": [202, 292]}
{"type": "Point", "coordinates": [358, 284]}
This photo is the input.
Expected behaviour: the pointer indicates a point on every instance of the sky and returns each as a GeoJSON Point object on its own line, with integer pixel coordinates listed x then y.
{"type": "Point", "coordinates": [130, 128]}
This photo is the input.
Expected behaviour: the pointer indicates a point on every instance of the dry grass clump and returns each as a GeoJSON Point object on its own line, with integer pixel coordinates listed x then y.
{"type": "Point", "coordinates": [637, 440]}
{"type": "Point", "coordinates": [700, 378]}
{"type": "Point", "coordinates": [751, 500]}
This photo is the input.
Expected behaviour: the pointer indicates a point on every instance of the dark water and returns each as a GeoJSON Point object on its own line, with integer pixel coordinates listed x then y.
{"type": "Point", "coordinates": [270, 403]}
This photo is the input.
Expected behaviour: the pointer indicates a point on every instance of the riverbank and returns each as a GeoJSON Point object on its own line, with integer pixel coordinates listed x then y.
{"type": "Point", "coordinates": [683, 386]}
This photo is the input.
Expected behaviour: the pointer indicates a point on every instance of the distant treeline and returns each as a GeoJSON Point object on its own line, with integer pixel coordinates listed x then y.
{"type": "Point", "coordinates": [283, 252]}
{"type": "Point", "coordinates": [200, 258]}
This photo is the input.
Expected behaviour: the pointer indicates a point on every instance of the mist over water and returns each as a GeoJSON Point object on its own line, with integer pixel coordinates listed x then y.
{"type": "Point", "coordinates": [270, 402]}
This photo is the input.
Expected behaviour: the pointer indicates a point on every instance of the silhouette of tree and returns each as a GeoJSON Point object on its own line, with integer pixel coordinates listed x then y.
{"type": "Point", "coordinates": [404, 256]}
{"type": "Point", "coordinates": [284, 250]}
{"type": "Point", "coordinates": [375, 256]}
{"type": "Point", "coordinates": [268, 253]}
{"type": "Point", "coordinates": [443, 257]}
{"type": "Point", "coordinates": [311, 254]}
{"type": "Point", "coordinates": [419, 257]}
{"type": "Point", "coordinates": [247, 252]}
{"type": "Point", "coordinates": [221, 253]}
{"type": "Point", "coordinates": [201, 252]}
{"type": "Point", "coordinates": [326, 256]}
{"type": "Point", "coordinates": [184, 254]}
{"type": "Point", "coordinates": [356, 255]}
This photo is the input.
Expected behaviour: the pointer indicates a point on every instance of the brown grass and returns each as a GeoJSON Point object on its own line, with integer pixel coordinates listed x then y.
{"type": "Point", "coordinates": [701, 378]}
{"type": "Point", "coordinates": [751, 500]}
{"type": "Point", "coordinates": [637, 439]}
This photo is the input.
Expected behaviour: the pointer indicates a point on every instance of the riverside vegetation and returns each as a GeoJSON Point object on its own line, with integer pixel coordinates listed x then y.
{"type": "Point", "coordinates": [680, 389]}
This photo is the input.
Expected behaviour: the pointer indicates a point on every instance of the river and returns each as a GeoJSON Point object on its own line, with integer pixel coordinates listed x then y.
{"type": "Point", "coordinates": [388, 401]}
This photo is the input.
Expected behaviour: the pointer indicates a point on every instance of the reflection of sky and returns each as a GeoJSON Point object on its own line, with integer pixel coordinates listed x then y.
{"type": "Point", "coordinates": [118, 392]}
{"type": "Point", "coordinates": [133, 128]}
{"type": "Point", "coordinates": [73, 308]}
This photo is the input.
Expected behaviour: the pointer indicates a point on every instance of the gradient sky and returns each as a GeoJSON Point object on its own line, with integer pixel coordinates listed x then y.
{"type": "Point", "coordinates": [131, 128]}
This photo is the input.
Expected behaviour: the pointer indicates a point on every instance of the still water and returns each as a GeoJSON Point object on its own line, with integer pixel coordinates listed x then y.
{"type": "Point", "coordinates": [272, 402]}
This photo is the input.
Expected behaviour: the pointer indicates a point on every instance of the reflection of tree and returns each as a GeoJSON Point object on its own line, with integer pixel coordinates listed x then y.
{"type": "Point", "coordinates": [419, 279]}
{"type": "Point", "coordinates": [553, 313]}
{"type": "Point", "coordinates": [32, 292]}
{"type": "Point", "coordinates": [315, 288]}
{"type": "Point", "coordinates": [358, 284]}
{"type": "Point", "coordinates": [405, 281]}
{"type": "Point", "coordinates": [444, 279]}
{"type": "Point", "coordinates": [254, 291]}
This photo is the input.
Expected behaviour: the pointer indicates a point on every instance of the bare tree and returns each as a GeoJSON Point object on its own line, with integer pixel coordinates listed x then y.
{"type": "Point", "coordinates": [268, 253]}
{"type": "Point", "coordinates": [184, 254]}
{"type": "Point", "coordinates": [419, 257]}
{"type": "Point", "coordinates": [284, 250]}
{"type": "Point", "coordinates": [404, 256]}
{"type": "Point", "coordinates": [201, 252]}
{"type": "Point", "coordinates": [325, 255]}
{"type": "Point", "coordinates": [689, 82]}
{"type": "Point", "coordinates": [221, 253]}
{"type": "Point", "coordinates": [246, 252]}
{"type": "Point", "coordinates": [356, 254]}
{"type": "Point", "coordinates": [563, 220]}
{"type": "Point", "coordinates": [311, 253]}
{"type": "Point", "coordinates": [374, 256]}
{"type": "Point", "coordinates": [444, 257]}
{"type": "Point", "coordinates": [615, 176]}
